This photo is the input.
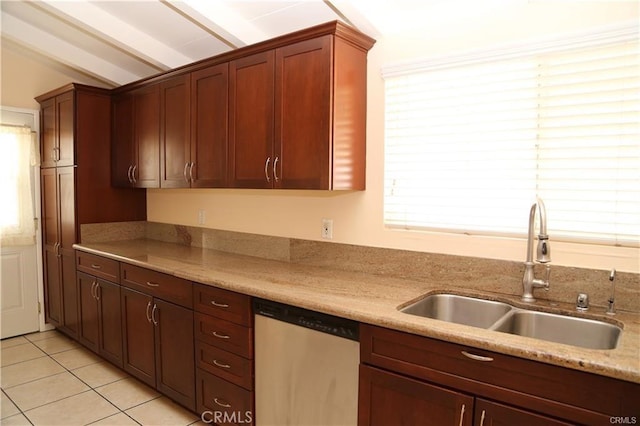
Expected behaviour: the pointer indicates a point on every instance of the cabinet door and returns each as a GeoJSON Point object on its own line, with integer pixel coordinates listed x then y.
{"type": "Point", "coordinates": [175, 367]}
{"type": "Point", "coordinates": [110, 324]}
{"type": "Point", "coordinates": [68, 237]}
{"type": "Point", "coordinates": [174, 132]}
{"type": "Point", "coordinates": [48, 152]}
{"type": "Point", "coordinates": [251, 114]}
{"type": "Point", "coordinates": [65, 129]}
{"type": "Point", "coordinates": [138, 335]}
{"type": "Point", "coordinates": [390, 399]}
{"type": "Point", "coordinates": [303, 115]}
{"type": "Point", "coordinates": [122, 141]}
{"type": "Point", "coordinates": [209, 134]}
{"type": "Point", "coordinates": [88, 311]}
{"type": "Point", "coordinates": [488, 413]}
{"type": "Point", "coordinates": [146, 173]}
{"type": "Point", "coordinates": [50, 237]}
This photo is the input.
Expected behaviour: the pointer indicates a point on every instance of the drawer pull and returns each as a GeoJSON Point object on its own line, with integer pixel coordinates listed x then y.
{"type": "Point", "coordinates": [477, 357]}
{"type": "Point", "coordinates": [94, 266]}
{"type": "Point", "coordinates": [221, 336]}
{"type": "Point", "coordinates": [152, 284]}
{"type": "Point", "coordinates": [218, 364]}
{"type": "Point", "coordinates": [219, 305]}
{"type": "Point", "coordinates": [222, 404]}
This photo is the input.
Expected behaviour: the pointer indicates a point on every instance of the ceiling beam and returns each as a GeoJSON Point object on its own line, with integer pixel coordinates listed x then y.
{"type": "Point", "coordinates": [220, 20]}
{"type": "Point", "coordinates": [348, 10]}
{"type": "Point", "coordinates": [64, 52]}
{"type": "Point", "coordinates": [124, 36]}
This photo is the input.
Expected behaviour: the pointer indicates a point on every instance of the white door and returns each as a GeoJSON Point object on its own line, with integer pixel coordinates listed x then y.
{"type": "Point", "coordinates": [20, 266]}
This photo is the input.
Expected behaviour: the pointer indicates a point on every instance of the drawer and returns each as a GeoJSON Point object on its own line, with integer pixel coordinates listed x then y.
{"type": "Point", "coordinates": [98, 266]}
{"type": "Point", "coordinates": [157, 284]}
{"type": "Point", "coordinates": [225, 335]}
{"type": "Point", "coordinates": [217, 397]}
{"type": "Point", "coordinates": [225, 304]}
{"type": "Point", "coordinates": [494, 375]}
{"type": "Point", "coordinates": [228, 366]}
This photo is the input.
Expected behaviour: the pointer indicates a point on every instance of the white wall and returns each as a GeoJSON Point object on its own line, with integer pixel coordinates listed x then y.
{"type": "Point", "coordinates": [357, 216]}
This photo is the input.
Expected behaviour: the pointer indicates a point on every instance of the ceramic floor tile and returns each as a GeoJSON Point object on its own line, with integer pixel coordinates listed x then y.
{"type": "Point", "coordinates": [27, 371]}
{"type": "Point", "coordinates": [127, 393]}
{"type": "Point", "coordinates": [161, 411]}
{"type": "Point", "coordinates": [46, 390]}
{"type": "Point", "coordinates": [56, 344]}
{"type": "Point", "coordinates": [17, 420]}
{"type": "Point", "coordinates": [119, 419]}
{"type": "Point", "coordinates": [14, 341]}
{"type": "Point", "coordinates": [7, 408]}
{"type": "Point", "coordinates": [76, 358]}
{"type": "Point", "coordinates": [20, 353]}
{"type": "Point", "coordinates": [99, 374]}
{"type": "Point", "coordinates": [80, 409]}
{"type": "Point", "coordinates": [34, 337]}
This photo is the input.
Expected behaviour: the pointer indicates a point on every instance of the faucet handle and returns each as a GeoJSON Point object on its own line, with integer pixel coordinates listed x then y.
{"type": "Point", "coordinates": [547, 274]}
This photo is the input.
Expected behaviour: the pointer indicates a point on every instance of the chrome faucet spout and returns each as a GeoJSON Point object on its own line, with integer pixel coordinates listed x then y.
{"type": "Point", "coordinates": [543, 253]}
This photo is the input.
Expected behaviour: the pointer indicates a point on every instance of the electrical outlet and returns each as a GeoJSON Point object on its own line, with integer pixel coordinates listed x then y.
{"type": "Point", "coordinates": [201, 217]}
{"type": "Point", "coordinates": [327, 229]}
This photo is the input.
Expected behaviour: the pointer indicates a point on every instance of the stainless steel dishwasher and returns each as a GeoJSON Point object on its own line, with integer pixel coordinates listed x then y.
{"type": "Point", "coordinates": [306, 367]}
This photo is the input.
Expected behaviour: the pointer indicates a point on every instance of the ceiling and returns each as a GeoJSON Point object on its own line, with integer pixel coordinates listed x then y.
{"type": "Point", "coordinates": [116, 42]}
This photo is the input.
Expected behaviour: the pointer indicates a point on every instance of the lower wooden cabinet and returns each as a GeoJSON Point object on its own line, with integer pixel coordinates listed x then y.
{"type": "Point", "coordinates": [414, 380]}
{"type": "Point", "coordinates": [100, 319]}
{"type": "Point", "coordinates": [159, 345]}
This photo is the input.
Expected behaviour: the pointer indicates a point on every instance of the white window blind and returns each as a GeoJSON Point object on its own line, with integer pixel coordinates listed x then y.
{"type": "Point", "coordinates": [469, 145]}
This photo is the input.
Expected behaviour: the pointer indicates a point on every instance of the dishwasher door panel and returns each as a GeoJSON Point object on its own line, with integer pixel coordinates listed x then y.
{"type": "Point", "coordinates": [304, 377]}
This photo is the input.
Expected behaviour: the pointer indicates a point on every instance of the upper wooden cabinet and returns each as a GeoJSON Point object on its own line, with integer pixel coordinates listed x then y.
{"type": "Point", "coordinates": [57, 116]}
{"type": "Point", "coordinates": [285, 113]}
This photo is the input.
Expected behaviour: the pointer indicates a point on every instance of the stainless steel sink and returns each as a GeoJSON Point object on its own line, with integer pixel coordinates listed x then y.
{"type": "Point", "coordinates": [459, 309]}
{"type": "Point", "coordinates": [581, 332]}
{"type": "Point", "coordinates": [502, 317]}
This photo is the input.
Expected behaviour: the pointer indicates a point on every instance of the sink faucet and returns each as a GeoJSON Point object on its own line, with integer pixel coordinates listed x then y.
{"type": "Point", "coordinates": [543, 253]}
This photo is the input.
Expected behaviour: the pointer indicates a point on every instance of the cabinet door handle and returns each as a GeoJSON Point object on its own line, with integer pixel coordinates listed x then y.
{"type": "Point", "coordinates": [133, 173]}
{"type": "Point", "coordinates": [129, 177]}
{"type": "Point", "coordinates": [266, 169]}
{"type": "Point", "coordinates": [93, 289]}
{"type": "Point", "coordinates": [57, 249]}
{"type": "Point", "coordinates": [94, 266]}
{"type": "Point", "coordinates": [218, 364]}
{"type": "Point", "coordinates": [148, 315]}
{"type": "Point", "coordinates": [98, 291]}
{"type": "Point", "coordinates": [191, 172]}
{"type": "Point", "coordinates": [275, 173]}
{"type": "Point", "coordinates": [152, 284]}
{"type": "Point", "coordinates": [220, 336]}
{"type": "Point", "coordinates": [222, 404]}
{"type": "Point", "coordinates": [153, 314]}
{"type": "Point", "coordinates": [477, 357]}
{"type": "Point", "coordinates": [482, 418]}
{"type": "Point", "coordinates": [462, 414]}
{"type": "Point", "coordinates": [184, 172]}
{"type": "Point", "coordinates": [219, 305]}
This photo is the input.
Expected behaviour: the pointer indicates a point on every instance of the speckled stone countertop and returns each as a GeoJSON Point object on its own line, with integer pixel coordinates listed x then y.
{"type": "Point", "coordinates": [375, 300]}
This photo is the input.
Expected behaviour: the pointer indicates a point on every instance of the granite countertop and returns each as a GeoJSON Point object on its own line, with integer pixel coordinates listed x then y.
{"type": "Point", "coordinates": [373, 299]}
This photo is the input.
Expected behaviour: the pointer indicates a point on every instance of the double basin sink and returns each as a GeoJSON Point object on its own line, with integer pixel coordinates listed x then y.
{"type": "Point", "coordinates": [499, 316]}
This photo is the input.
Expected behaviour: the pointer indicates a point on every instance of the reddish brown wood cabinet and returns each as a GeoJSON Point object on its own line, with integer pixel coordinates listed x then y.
{"type": "Point", "coordinates": [76, 189]}
{"type": "Point", "coordinates": [175, 128]}
{"type": "Point", "coordinates": [402, 374]}
{"type": "Point", "coordinates": [158, 334]}
{"type": "Point", "coordinates": [297, 115]}
{"type": "Point", "coordinates": [224, 352]}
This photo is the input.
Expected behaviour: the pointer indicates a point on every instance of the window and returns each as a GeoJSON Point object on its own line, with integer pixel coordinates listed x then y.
{"type": "Point", "coordinates": [470, 143]}
{"type": "Point", "coordinates": [17, 213]}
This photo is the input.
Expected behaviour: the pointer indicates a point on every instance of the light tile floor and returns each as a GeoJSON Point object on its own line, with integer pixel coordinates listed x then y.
{"type": "Point", "coordinates": [48, 379]}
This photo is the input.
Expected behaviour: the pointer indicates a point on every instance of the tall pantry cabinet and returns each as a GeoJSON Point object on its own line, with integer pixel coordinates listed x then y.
{"type": "Point", "coordinates": [75, 176]}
